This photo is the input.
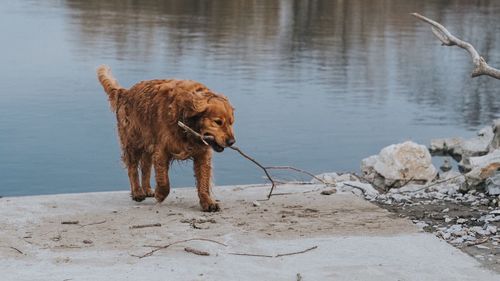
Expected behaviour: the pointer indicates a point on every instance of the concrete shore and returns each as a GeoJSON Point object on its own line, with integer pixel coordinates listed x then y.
{"type": "Point", "coordinates": [92, 236]}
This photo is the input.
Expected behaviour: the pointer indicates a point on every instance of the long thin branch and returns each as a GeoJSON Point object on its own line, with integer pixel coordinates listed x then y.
{"type": "Point", "coordinates": [273, 183]}
{"type": "Point", "coordinates": [265, 169]}
{"type": "Point", "coordinates": [275, 256]}
{"type": "Point", "coordinates": [158, 248]}
{"type": "Point", "coordinates": [296, 170]}
{"type": "Point", "coordinates": [448, 39]}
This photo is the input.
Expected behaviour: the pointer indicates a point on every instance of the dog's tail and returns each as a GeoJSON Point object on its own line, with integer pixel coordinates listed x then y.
{"type": "Point", "coordinates": [111, 87]}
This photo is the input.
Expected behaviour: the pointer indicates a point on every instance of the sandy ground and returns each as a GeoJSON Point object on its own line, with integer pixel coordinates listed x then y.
{"type": "Point", "coordinates": [355, 239]}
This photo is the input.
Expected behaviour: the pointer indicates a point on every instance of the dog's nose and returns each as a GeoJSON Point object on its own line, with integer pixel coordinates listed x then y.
{"type": "Point", "coordinates": [230, 141]}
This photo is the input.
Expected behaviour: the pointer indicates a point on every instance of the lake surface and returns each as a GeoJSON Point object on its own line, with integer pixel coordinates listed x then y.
{"type": "Point", "coordinates": [316, 84]}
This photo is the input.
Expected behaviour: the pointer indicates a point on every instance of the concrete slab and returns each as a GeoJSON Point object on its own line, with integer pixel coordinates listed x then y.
{"type": "Point", "coordinates": [355, 240]}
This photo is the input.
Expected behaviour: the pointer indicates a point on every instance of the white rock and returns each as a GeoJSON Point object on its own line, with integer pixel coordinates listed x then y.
{"type": "Point", "coordinates": [479, 230]}
{"type": "Point", "coordinates": [491, 229]}
{"type": "Point", "coordinates": [495, 212]}
{"type": "Point", "coordinates": [449, 146]}
{"type": "Point", "coordinates": [397, 163]}
{"type": "Point", "coordinates": [493, 185]}
{"type": "Point", "coordinates": [421, 224]}
{"type": "Point", "coordinates": [445, 210]}
{"type": "Point", "coordinates": [255, 204]}
{"type": "Point", "coordinates": [461, 220]}
{"type": "Point", "coordinates": [478, 145]}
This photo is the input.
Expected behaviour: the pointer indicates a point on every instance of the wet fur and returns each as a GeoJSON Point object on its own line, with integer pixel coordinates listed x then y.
{"type": "Point", "coordinates": [147, 116]}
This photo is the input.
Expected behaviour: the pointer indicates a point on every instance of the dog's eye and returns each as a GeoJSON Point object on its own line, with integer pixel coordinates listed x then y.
{"type": "Point", "coordinates": [218, 122]}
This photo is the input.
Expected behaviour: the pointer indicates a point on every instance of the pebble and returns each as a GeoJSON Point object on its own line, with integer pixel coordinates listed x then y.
{"type": "Point", "coordinates": [255, 204]}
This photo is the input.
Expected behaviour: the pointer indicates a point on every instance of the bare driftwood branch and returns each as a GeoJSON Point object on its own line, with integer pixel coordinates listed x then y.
{"type": "Point", "coordinates": [158, 248]}
{"type": "Point", "coordinates": [145, 225]}
{"type": "Point", "coordinates": [448, 39]}
{"type": "Point", "coordinates": [265, 169]}
{"type": "Point", "coordinates": [275, 256]}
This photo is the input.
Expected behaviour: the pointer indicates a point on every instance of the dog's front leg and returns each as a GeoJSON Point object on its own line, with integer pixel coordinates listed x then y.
{"type": "Point", "coordinates": [203, 174]}
{"type": "Point", "coordinates": [161, 164]}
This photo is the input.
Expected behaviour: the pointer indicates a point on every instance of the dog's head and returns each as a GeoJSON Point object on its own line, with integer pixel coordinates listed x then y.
{"type": "Point", "coordinates": [213, 117]}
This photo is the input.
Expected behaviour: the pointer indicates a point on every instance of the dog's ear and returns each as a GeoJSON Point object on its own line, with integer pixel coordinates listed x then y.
{"type": "Point", "coordinates": [188, 104]}
{"type": "Point", "coordinates": [194, 104]}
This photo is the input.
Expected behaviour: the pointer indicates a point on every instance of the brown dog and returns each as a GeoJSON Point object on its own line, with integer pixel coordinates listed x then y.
{"type": "Point", "coordinates": [147, 116]}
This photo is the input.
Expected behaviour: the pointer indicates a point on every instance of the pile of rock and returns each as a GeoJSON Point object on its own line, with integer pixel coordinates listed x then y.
{"type": "Point", "coordinates": [479, 158]}
{"type": "Point", "coordinates": [402, 179]}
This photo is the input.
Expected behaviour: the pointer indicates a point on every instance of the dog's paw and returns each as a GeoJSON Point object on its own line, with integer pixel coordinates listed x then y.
{"type": "Point", "coordinates": [159, 196]}
{"type": "Point", "coordinates": [149, 192]}
{"type": "Point", "coordinates": [138, 197]}
{"type": "Point", "coordinates": [210, 207]}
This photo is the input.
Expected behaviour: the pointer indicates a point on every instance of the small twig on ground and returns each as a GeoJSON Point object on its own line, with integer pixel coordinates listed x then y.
{"type": "Point", "coordinates": [14, 248]}
{"type": "Point", "coordinates": [70, 222]}
{"type": "Point", "coordinates": [252, 255]}
{"type": "Point", "coordinates": [145, 225]}
{"type": "Point", "coordinates": [158, 248]}
{"type": "Point", "coordinates": [93, 223]}
{"type": "Point", "coordinates": [276, 256]}
{"type": "Point", "coordinates": [196, 251]}
{"type": "Point", "coordinates": [68, 247]}
{"type": "Point", "coordinates": [295, 253]}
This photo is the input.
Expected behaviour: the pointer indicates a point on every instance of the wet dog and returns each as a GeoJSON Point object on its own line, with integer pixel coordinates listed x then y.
{"type": "Point", "coordinates": [147, 116]}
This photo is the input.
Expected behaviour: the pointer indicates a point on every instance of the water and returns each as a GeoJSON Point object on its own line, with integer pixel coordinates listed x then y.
{"type": "Point", "coordinates": [316, 84]}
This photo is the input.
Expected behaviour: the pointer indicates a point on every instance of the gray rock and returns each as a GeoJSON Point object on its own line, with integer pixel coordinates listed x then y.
{"type": "Point", "coordinates": [479, 145]}
{"type": "Point", "coordinates": [461, 150]}
{"type": "Point", "coordinates": [396, 164]}
{"type": "Point", "coordinates": [492, 184]}
{"type": "Point", "coordinates": [475, 178]}
{"type": "Point", "coordinates": [448, 146]}
{"type": "Point", "coordinates": [446, 166]}
{"type": "Point", "coordinates": [495, 142]}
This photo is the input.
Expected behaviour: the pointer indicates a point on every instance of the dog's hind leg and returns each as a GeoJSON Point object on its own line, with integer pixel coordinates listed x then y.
{"type": "Point", "coordinates": [146, 163]}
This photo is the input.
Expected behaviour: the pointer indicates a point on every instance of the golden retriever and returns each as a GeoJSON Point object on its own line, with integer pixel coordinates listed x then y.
{"type": "Point", "coordinates": [147, 116]}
